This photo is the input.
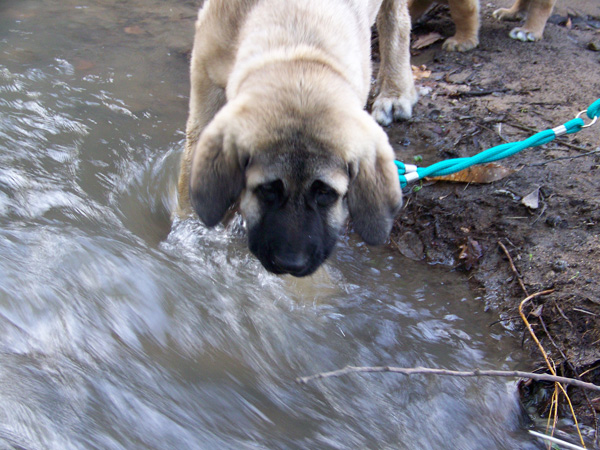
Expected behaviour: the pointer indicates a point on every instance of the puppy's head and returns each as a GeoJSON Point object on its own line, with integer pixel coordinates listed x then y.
{"type": "Point", "coordinates": [296, 186]}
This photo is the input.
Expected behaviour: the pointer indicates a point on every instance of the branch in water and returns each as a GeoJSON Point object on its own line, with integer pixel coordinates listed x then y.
{"type": "Point", "coordinates": [454, 373]}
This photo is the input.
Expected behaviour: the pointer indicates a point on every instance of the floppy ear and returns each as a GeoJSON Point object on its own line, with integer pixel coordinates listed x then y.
{"type": "Point", "coordinates": [374, 195]}
{"type": "Point", "coordinates": [216, 174]}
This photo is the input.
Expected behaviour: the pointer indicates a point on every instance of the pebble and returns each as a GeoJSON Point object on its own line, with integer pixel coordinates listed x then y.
{"type": "Point", "coordinates": [556, 222]}
{"type": "Point", "coordinates": [560, 265]}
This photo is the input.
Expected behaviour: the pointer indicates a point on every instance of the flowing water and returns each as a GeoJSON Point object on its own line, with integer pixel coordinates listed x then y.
{"type": "Point", "coordinates": [120, 330]}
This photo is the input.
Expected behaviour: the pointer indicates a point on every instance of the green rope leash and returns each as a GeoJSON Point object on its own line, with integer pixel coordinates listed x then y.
{"type": "Point", "coordinates": [409, 172]}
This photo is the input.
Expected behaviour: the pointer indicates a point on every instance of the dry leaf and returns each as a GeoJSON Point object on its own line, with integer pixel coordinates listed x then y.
{"type": "Point", "coordinates": [426, 40]}
{"type": "Point", "coordinates": [486, 173]}
{"type": "Point", "coordinates": [420, 72]}
{"type": "Point", "coordinates": [532, 200]}
{"type": "Point", "coordinates": [454, 89]}
{"type": "Point", "coordinates": [470, 252]}
{"type": "Point", "coordinates": [134, 29]}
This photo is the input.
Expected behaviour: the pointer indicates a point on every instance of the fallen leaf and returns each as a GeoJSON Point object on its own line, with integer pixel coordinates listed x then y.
{"type": "Point", "coordinates": [134, 29]}
{"type": "Point", "coordinates": [426, 40]}
{"type": "Point", "coordinates": [470, 252]}
{"type": "Point", "coordinates": [485, 173]}
{"type": "Point", "coordinates": [411, 246]}
{"type": "Point", "coordinates": [420, 72]}
{"type": "Point", "coordinates": [454, 89]}
{"type": "Point", "coordinates": [532, 200]}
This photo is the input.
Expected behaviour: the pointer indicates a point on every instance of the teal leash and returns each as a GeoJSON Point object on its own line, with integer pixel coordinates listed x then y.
{"type": "Point", "coordinates": [409, 172]}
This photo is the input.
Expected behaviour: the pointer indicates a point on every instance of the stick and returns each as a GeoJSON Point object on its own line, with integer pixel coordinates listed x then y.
{"type": "Point", "coordinates": [550, 365]}
{"type": "Point", "coordinates": [564, 158]}
{"type": "Point", "coordinates": [556, 440]}
{"type": "Point", "coordinates": [454, 373]}
{"type": "Point", "coordinates": [514, 269]}
{"type": "Point", "coordinates": [566, 360]}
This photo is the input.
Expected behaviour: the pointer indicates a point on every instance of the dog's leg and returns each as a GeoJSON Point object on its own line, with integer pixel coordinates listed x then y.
{"type": "Point", "coordinates": [465, 14]}
{"type": "Point", "coordinates": [517, 11]}
{"type": "Point", "coordinates": [206, 98]}
{"type": "Point", "coordinates": [396, 88]}
{"type": "Point", "coordinates": [537, 13]}
{"type": "Point", "coordinates": [417, 8]}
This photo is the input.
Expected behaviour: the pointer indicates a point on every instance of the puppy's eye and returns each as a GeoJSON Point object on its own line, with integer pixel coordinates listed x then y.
{"type": "Point", "coordinates": [323, 194]}
{"type": "Point", "coordinates": [270, 192]}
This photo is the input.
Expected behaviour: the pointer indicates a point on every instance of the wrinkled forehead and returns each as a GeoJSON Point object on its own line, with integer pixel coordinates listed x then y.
{"type": "Point", "coordinates": [298, 169]}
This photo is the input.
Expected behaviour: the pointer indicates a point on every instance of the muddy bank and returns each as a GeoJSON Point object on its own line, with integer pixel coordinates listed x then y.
{"type": "Point", "coordinates": [504, 91]}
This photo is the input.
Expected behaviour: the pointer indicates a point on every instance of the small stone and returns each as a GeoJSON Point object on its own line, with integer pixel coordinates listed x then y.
{"type": "Point", "coordinates": [560, 265]}
{"type": "Point", "coordinates": [594, 46]}
{"type": "Point", "coordinates": [556, 222]}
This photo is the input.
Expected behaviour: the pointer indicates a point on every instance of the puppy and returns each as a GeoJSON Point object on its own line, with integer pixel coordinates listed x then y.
{"type": "Point", "coordinates": [465, 14]}
{"type": "Point", "coordinates": [277, 125]}
{"type": "Point", "coordinates": [536, 13]}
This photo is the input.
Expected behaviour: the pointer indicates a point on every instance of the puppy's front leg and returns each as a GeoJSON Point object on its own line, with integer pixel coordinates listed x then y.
{"type": "Point", "coordinates": [396, 88]}
{"type": "Point", "coordinates": [206, 98]}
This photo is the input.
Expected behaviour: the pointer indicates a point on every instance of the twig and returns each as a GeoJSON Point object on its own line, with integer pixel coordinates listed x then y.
{"type": "Point", "coordinates": [567, 361]}
{"type": "Point", "coordinates": [493, 132]}
{"type": "Point", "coordinates": [560, 311]}
{"type": "Point", "coordinates": [482, 93]}
{"type": "Point", "coordinates": [454, 373]}
{"type": "Point", "coordinates": [528, 325]}
{"type": "Point", "coordinates": [556, 440]}
{"type": "Point", "coordinates": [564, 158]}
{"type": "Point", "coordinates": [544, 206]}
{"type": "Point", "coordinates": [519, 126]}
{"type": "Point", "coordinates": [573, 146]}
{"type": "Point", "coordinates": [553, 342]}
{"type": "Point", "coordinates": [549, 364]}
{"type": "Point", "coordinates": [512, 266]}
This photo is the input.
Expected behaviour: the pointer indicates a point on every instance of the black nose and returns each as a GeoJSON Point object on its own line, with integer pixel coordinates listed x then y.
{"type": "Point", "coordinates": [292, 263]}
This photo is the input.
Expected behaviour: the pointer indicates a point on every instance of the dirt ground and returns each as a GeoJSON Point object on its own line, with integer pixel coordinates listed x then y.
{"type": "Point", "coordinates": [504, 91]}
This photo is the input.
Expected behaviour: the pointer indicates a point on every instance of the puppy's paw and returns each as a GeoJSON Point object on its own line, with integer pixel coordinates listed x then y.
{"type": "Point", "coordinates": [507, 14]}
{"type": "Point", "coordinates": [387, 109]}
{"type": "Point", "coordinates": [524, 35]}
{"type": "Point", "coordinates": [460, 45]}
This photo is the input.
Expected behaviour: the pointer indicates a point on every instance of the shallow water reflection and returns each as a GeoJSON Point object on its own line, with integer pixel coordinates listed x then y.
{"type": "Point", "coordinates": [118, 331]}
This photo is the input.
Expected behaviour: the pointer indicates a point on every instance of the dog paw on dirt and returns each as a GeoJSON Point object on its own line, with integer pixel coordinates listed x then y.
{"type": "Point", "coordinates": [465, 15]}
{"type": "Point", "coordinates": [534, 12]}
{"type": "Point", "coordinates": [395, 92]}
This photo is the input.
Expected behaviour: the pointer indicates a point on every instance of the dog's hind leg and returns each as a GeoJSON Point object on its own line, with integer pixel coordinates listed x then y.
{"type": "Point", "coordinates": [465, 15]}
{"type": "Point", "coordinates": [396, 92]}
{"type": "Point", "coordinates": [417, 8]}
{"type": "Point", "coordinates": [537, 13]}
